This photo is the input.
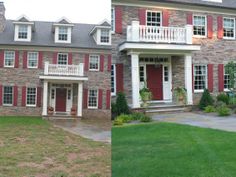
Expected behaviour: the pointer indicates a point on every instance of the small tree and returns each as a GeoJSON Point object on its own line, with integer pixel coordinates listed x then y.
{"type": "Point", "coordinates": [206, 100]}
{"type": "Point", "coordinates": [121, 106]}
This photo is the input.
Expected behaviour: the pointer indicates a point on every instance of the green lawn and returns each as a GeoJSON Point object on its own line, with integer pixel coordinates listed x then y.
{"type": "Point", "coordinates": [171, 150]}
{"type": "Point", "coordinates": [32, 147]}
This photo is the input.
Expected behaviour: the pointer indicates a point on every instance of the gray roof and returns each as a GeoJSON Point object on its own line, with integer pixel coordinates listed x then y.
{"type": "Point", "coordinates": [43, 36]}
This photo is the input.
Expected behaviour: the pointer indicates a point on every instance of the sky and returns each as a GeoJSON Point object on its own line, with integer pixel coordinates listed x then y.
{"type": "Point", "coordinates": [77, 11]}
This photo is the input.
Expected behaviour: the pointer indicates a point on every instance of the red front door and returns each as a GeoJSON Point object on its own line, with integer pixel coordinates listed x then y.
{"type": "Point", "coordinates": [154, 81]}
{"type": "Point", "coordinates": [61, 100]}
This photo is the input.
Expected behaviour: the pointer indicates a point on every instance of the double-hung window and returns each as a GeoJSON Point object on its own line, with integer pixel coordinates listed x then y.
{"type": "Point", "coordinates": [113, 19]}
{"type": "Point", "coordinates": [31, 96]}
{"type": "Point", "coordinates": [63, 33]}
{"type": "Point", "coordinates": [93, 99]}
{"type": "Point", "coordinates": [23, 32]}
{"type": "Point", "coordinates": [9, 58]}
{"type": "Point", "coordinates": [153, 18]}
{"type": "Point", "coordinates": [32, 60]}
{"type": "Point", "coordinates": [8, 95]}
{"type": "Point", "coordinates": [94, 62]}
{"type": "Point", "coordinates": [62, 59]}
{"type": "Point", "coordinates": [200, 77]}
{"type": "Point", "coordinates": [199, 25]}
{"type": "Point", "coordinates": [229, 28]}
{"type": "Point", "coordinates": [105, 36]}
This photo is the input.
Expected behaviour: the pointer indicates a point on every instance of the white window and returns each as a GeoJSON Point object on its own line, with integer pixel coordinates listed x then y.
{"type": "Point", "coordinates": [62, 59]}
{"type": "Point", "coordinates": [94, 62]}
{"type": "Point", "coordinates": [199, 25]}
{"type": "Point", "coordinates": [63, 33]}
{"type": "Point", "coordinates": [113, 19]}
{"type": "Point", "coordinates": [153, 18]}
{"type": "Point", "coordinates": [31, 96]}
{"type": "Point", "coordinates": [7, 95]}
{"type": "Point", "coordinates": [229, 28]}
{"type": "Point", "coordinates": [23, 32]}
{"type": "Point", "coordinates": [9, 58]}
{"type": "Point", "coordinates": [32, 60]}
{"type": "Point", "coordinates": [93, 99]}
{"type": "Point", "coordinates": [113, 79]}
{"type": "Point", "coordinates": [105, 36]}
{"type": "Point", "coordinates": [200, 77]}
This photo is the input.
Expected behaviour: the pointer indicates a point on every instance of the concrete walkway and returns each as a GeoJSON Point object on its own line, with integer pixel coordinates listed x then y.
{"type": "Point", "coordinates": [200, 120]}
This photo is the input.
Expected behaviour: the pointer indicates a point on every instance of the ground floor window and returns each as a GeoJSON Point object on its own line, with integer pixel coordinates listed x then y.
{"type": "Point", "coordinates": [93, 99]}
{"type": "Point", "coordinates": [200, 77]}
{"type": "Point", "coordinates": [113, 79]}
{"type": "Point", "coordinates": [31, 96]}
{"type": "Point", "coordinates": [7, 95]}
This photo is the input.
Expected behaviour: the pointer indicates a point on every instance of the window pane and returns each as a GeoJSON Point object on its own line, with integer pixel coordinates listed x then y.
{"type": "Point", "coordinates": [63, 34]}
{"type": "Point", "coordinates": [153, 18]}
{"type": "Point", "coordinates": [92, 100]}
{"type": "Point", "coordinates": [93, 62]}
{"type": "Point", "coordinates": [23, 32]}
{"type": "Point", "coordinates": [62, 59]}
{"type": "Point", "coordinates": [199, 25]}
{"type": "Point", "coordinates": [200, 76]}
{"type": "Point", "coordinates": [105, 37]}
{"type": "Point", "coordinates": [31, 96]}
{"type": "Point", "coordinates": [8, 95]}
{"type": "Point", "coordinates": [32, 59]}
{"type": "Point", "coordinates": [9, 58]}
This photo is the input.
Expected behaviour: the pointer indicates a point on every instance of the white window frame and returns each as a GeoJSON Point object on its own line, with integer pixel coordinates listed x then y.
{"type": "Point", "coordinates": [26, 31]}
{"type": "Point", "coordinates": [113, 20]}
{"type": "Point", "coordinates": [205, 17]}
{"type": "Point", "coordinates": [29, 33]}
{"type": "Point", "coordinates": [36, 91]}
{"type": "Point", "coordinates": [5, 104]}
{"type": "Point", "coordinates": [69, 34]}
{"type": "Point", "coordinates": [93, 107]}
{"type": "Point", "coordinates": [114, 79]}
{"type": "Point", "coordinates": [224, 37]}
{"type": "Point", "coordinates": [28, 54]}
{"type": "Point", "coordinates": [152, 11]}
{"type": "Point", "coordinates": [98, 56]}
{"type": "Point", "coordinates": [65, 32]}
{"type": "Point", "coordinates": [62, 54]}
{"type": "Point", "coordinates": [14, 56]}
{"type": "Point", "coordinates": [206, 79]}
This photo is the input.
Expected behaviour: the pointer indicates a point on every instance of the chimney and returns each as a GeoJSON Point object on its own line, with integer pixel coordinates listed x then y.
{"type": "Point", "coordinates": [2, 17]}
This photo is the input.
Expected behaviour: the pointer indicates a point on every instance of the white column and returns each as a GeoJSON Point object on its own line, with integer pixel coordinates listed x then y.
{"type": "Point", "coordinates": [80, 99]}
{"type": "Point", "coordinates": [188, 78]}
{"type": "Point", "coordinates": [135, 79]}
{"type": "Point", "coordinates": [45, 98]}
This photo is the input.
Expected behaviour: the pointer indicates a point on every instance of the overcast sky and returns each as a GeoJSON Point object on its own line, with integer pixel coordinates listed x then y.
{"type": "Point", "coordinates": [80, 11]}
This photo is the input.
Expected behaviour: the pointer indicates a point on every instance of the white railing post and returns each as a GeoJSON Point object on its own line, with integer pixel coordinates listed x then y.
{"type": "Point", "coordinates": [189, 34]}
{"type": "Point", "coordinates": [135, 31]}
{"type": "Point", "coordinates": [81, 69]}
{"type": "Point", "coordinates": [46, 68]}
{"type": "Point", "coordinates": [129, 33]}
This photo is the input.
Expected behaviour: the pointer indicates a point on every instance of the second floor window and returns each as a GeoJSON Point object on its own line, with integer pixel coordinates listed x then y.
{"type": "Point", "coordinates": [23, 32]}
{"type": "Point", "coordinates": [199, 25]}
{"type": "Point", "coordinates": [62, 59]}
{"type": "Point", "coordinates": [32, 59]}
{"type": "Point", "coordinates": [229, 28]}
{"type": "Point", "coordinates": [113, 19]}
{"type": "Point", "coordinates": [63, 34]}
{"type": "Point", "coordinates": [153, 18]}
{"type": "Point", "coordinates": [105, 36]}
{"type": "Point", "coordinates": [93, 62]}
{"type": "Point", "coordinates": [9, 58]}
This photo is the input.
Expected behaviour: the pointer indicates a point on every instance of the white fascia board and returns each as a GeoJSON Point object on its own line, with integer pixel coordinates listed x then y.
{"type": "Point", "coordinates": [64, 78]}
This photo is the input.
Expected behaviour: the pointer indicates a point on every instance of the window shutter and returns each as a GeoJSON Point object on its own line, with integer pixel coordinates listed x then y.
{"type": "Point", "coordinates": [1, 95]}
{"type": "Point", "coordinates": [220, 30]}
{"type": "Point", "coordinates": [25, 59]}
{"type": "Point", "coordinates": [190, 18]}
{"type": "Point", "coordinates": [101, 63]}
{"type": "Point", "coordinates": [15, 95]}
{"type": "Point", "coordinates": [54, 61]}
{"type": "Point", "coordinates": [221, 77]}
{"type": "Point", "coordinates": [108, 99]}
{"type": "Point", "coordinates": [16, 59]}
{"type": "Point", "coordinates": [23, 99]}
{"type": "Point", "coordinates": [109, 63]}
{"type": "Point", "coordinates": [118, 19]}
{"type": "Point", "coordinates": [100, 93]}
{"type": "Point", "coordinates": [40, 62]}
{"type": "Point", "coordinates": [165, 18]}
{"type": "Point", "coordinates": [119, 78]}
{"type": "Point", "coordinates": [70, 59]}
{"type": "Point", "coordinates": [142, 16]}
{"type": "Point", "coordinates": [86, 62]}
{"type": "Point", "coordinates": [85, 98]}
{"type": "Point", "coordinates": [210, 77]}
{"type": "Point", "coordinates": [1, 58]}
{"type": "Point", "coordinates": [39, 96]}
{"type": "Point", "coordinates": [209, 26]}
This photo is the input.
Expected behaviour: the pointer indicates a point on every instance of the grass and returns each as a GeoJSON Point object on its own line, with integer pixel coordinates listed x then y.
{"type": "Point", "coordinates": [32, 147]}
{"type": "Point", "coordinates": [171, 150]}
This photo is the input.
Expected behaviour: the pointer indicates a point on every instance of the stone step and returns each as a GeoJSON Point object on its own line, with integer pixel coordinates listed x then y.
{"type": "Point", "coordinates": [166, 110]}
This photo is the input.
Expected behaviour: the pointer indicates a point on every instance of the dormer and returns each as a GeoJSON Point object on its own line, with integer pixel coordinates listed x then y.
{"type": "Point", "coordinates": [23, 29]}
{"type": "Point", "coordinates": [102, 33]}
{"type": "Point", "coordinates": [62, 31]}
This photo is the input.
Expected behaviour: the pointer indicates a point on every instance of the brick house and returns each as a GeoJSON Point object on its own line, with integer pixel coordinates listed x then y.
{"type": "Point", "coordinates": [171, 43]}
{"type": "Point", "coordinates": [58, 65]}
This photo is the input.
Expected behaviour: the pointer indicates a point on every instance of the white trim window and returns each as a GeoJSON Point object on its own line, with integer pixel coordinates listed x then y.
{"type": "Point", "coordinates": [7, 95]}
{"type": "Point", "coordinates": [31, 97]}
{"type": "Point", "coordinates": [32, 60]}
{"type": "Point", "coordinates": [93, 99]}
{"type": "Point", "coordinates": [23, 32]}
{"type": "Point", "coordinates": [229, 28]}
{"type": "Point", "coordinates": [200, 78]}
{"type": "Point", "coordinates": [112, 19]}
{"type": "Point", "coordinates": [9, 59]}
{"type": "Point", "coordinates": [153, 18]}
{"type": "Point", "coordinates": [62, 33]}
{"type": "Point", "coordinates": [113, 79]}
{"type": "Point", "coordinates": [94, 62]}
{"type": "Point", "coordinates": [105, 36]}
{"type": "Point", "coordinates": [62, 58]}
{"type": "Point", "coordinates": [199, 26]}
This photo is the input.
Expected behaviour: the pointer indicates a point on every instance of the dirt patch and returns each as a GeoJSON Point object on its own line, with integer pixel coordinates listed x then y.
{"type": "Point", "coordinates": [31, 165]}
{"type": "Point", "coordinates": [71, 157]}
{"type": "Point", "coordinates": [1, 143]}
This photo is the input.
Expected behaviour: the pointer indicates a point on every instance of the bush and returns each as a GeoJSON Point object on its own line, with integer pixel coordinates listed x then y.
{"type": "Point", "coordinates": [223, 111]}
{"type": "Point", "coordinates": [232, 100]}
{"type": "Point", "coordinates": [223, 97]}
{"type": "Point", "coordinates": [206, 100]}
{"type": "Point", "coordinates": [137, 115]}
{"type": "Point", "coordinates": [121, 106]}
{"type": "Point", "coordinates": [125, 118]}
{"type": "Point", "coordinates": [118, 122]}
{"type": "Point", "coordinates": [145, 118]}
{"type": "Point", "coordinates": [209, 109]}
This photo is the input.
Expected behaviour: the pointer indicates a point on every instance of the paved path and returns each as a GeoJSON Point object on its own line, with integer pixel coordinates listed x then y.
{"type": "Point", "coordinates": [200, 120]}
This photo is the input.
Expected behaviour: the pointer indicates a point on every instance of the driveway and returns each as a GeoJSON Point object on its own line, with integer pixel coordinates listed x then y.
{"type": "Point", "coordinates": [200, 120]}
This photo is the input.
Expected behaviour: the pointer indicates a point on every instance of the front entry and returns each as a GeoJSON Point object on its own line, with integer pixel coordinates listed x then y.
{"type": "Point", "coordinates": [61, 99]}
{"type": "Point", "coordinates": [154, 81]}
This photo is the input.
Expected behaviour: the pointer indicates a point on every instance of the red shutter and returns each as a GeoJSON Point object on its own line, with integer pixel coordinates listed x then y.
{"type": "Point", "coordinates": [15, 96]}
{"type": "Point", "coordinates": [210, 77]}
{"type": "Point", "coordinates": [101, 63]}
{"type": "Point", "coordinates": [100, 93]}
{"type": "Point", "coordinates": [142, 16]}
{"type": "Point", "coordinates": [70, 59]}
{"type": "Point", "coordinates": [193, 77]}
{"type": "Point", "coordinates": [209, 26]}
{"type": "Point", "coordinates": [16, 59]}
{"type": "Point", "coordinates": [109, 63]}
{"type": "Point", "coordinates": [189, 18]}
{"type": "Point", "coordinates": [220, 30]}
{"type": "Point", "coordinates": [119, 78]}
{"type": "Point", "coordinates": [39, 96]}
{"type": "Point", "coordinates": [40, 62]}
{"type": "Point", "coordinates": [86, 62]}
{"type": "Point", "coordinates": [23, 97]}
{"type": "Point", "coordinates": [118, 19]}
{"type": "Point", "coordinates": [0, 95]}
{"type": "Point", "coordinates": [221, 77]}
{"type": "Point", "coordinates": [1, 58]}
{"type": "Point", "coordinates": [25, 59]}
{"type": "Point", "coordinates": [108, 99]}
{"type": "Point", "coordinates": [85, 98]}
{"type": "Point", "coordinates": [165, 18]}
{"type": "Point", "coordinates": [54, 61]}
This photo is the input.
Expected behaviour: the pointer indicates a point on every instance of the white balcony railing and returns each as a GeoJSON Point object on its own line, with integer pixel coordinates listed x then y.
{"type": "Point", "coordinates": [64, 70]}
{"type": "Point", "coordinates": [142, 33]}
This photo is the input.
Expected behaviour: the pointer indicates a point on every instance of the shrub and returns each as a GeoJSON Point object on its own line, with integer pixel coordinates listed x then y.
{"type": "Point", "coordinates": [209, 109]}
{"type": "Point", "coordinates": [223, 97]}
{"type": "Point", "coordinates": [145, 118]}
{"type": "Point", "coordinates": [125, 118]}
{"type": "Point", "coordinates": [121, 106]}
{"type": "Point", "coordinates": [206, 100]}
{"type": "Point", "coordinates": [137, 115]}
{"type": "Point", "coordinates": [223, 111]}
{"type": "Point", "coordinates": [118, 122]}
{"type": "Point", "coordinates": [232, 100]}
